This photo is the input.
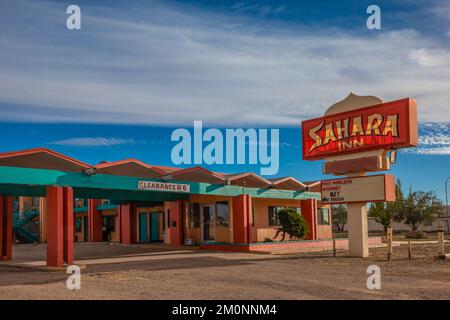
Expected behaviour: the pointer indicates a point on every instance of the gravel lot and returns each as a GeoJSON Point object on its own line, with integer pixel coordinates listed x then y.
{"type": "Point", "coordinates": [193, 274]}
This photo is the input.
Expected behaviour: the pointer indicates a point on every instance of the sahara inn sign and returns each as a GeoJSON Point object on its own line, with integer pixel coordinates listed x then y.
{"type": "Point", "coordinates": [354, 137]}
{"type": "Point", "coordinates": [381, 126]}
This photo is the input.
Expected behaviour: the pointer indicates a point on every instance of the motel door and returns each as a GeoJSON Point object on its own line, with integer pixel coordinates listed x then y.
{"type": "Point", "coordinates": [148, 226]}
{"type": "Point", "coordinates": [154, 225]}
{"type": "Point", "coordinates": [143, 227]}
{"type": "Point", "coordinates": [208, 214]}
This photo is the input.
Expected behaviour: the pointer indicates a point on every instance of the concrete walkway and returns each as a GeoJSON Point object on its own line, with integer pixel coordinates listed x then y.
{"type": "Point", "coordinates": [90, 254]}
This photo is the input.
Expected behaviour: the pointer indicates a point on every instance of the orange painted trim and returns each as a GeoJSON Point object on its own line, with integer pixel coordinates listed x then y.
{"type": "Point", "coordinates": [301, 245]}
{"type": "Point", "coordinates": [389, 186]}
{"type": "Point", "coordinates": [372, 163]}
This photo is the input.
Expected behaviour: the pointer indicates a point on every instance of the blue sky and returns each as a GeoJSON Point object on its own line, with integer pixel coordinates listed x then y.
{"type": "Point", "coordinates": [137, 69]}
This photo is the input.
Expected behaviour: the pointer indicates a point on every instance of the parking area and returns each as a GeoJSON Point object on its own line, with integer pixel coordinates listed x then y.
{"type": "Point", "coordinates": [159, 272]}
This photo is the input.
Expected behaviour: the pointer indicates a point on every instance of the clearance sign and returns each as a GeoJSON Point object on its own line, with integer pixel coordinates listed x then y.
{"type": "Point", "coordinates": [163, 186]}
{"type": "Point", "coordinates": [383, 126]}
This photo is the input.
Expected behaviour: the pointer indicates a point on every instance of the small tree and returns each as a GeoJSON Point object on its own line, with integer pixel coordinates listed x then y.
{"type": "Point", "coordinates": [386, 212]}
{"type": "Point", "coordinates": [291, 223]}
{"type": "Point", "coordinates": [381, 214]}
{"type": "Point", "coordinates": [339, 216]}
{"type": "Point", "coordinates": [420, 206]}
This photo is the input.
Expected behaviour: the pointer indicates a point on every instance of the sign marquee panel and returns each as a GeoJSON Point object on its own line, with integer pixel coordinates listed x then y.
{"type": "Point", "coordinates": [163, 186]}
{"type": "Point", "coordinates": [383, 126]}
{"type": "Point", "coordinates": [374, 188]}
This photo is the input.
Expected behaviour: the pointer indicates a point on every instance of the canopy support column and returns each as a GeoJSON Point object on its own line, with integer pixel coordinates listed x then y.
{"type": "Point", "coordinates": [60, 226]}
{"type": "Point", "coordinates": [95, 222]}
{"type": "Point", "coordinates": [6, 227]}
{"type": "Point", "coordinates": [128, 225]}
{"type": "Point", "coordinates": [309, 212]}
{"type": "Point", "coordinates": [242, 226]}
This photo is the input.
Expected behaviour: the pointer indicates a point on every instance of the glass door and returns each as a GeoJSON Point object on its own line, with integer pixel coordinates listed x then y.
{"type": "Point", "coordinates": [154, 226]}
{"type": "Point", "coordinates": [208, 222]}
{"type": "Point", "coordinates": [143, 227]}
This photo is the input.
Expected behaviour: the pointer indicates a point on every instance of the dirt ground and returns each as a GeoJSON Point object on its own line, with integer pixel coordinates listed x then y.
{"type": "Point", "coordinates": [152, 272]}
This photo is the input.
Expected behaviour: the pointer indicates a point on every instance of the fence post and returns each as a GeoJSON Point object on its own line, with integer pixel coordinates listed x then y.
{"type": "Point", "coordinates": [409, 249]}
{"type": "Point", "coordinates": [389, 242]}
{"type": "Point", "coordinates": [441, 251]}
{"type": "Point", "coordinates": [334, 246]}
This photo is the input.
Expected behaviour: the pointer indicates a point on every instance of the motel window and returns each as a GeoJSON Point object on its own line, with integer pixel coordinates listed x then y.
{"type": "Point", "coordinates": [35, 202]}
{"type": "Point", "coordinates": [273, 214]}
{"type": "Point", "coordinates": [79, 202]}
{"type": "Point", "coordinates": [222, 214]}
{"type": "Point", "coordinates": [194, 215]}
{"type": "Point", "coordinates": [16, 204]}
{"type": "Point", "coordinates": [109, 222]}
{"type": "Point", "coordinates": [323, 216]}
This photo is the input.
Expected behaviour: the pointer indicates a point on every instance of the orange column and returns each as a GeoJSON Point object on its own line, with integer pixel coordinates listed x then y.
{"type": "Point", "coordinates": [94, 221]}
{"type": "Point", "coordinates": [55, 247]}
{"type": "Point", "coordinates": [242, 227]}
{"type": "Point", "coordinates": [59, 226]}
{"type": "Point", "coordinates": [68, 225]}
{"type": "Point", "coordinates": [6, 228]}
{"type": "Point", "coordinates": [176, 221]}
{"type": "Point", "coordinates": [309, 212]}
{"type": "Point", "coordinates": [128, 232]}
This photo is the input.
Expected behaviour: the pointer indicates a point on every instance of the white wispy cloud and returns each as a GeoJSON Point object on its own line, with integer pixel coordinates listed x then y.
{"type": "Point", "coordinates": [95, 142]}
{"type": "Point", "coordinates": [169, 65]}
{"type": "Point", "coordinates": [261, 8]}
{"type": "Point", "coordinates": [434, 139]}
{"type": "Point", "coordinates": [428, 58]}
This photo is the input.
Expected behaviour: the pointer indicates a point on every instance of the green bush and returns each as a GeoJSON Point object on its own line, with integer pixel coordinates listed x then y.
{"type": "Point", "coordinates": [291, 223]}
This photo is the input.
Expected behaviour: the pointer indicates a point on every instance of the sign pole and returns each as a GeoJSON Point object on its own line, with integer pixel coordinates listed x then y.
{"type": "Point", "coordinates": [358, 236]}
{"type": "Point", "coordinates": [441, 250]}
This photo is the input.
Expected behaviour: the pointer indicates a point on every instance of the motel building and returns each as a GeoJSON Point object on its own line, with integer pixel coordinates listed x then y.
{"type": "Point", "coordinates": [51, 198]}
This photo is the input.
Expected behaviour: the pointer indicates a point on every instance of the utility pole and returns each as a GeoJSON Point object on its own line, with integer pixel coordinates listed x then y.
{"type": "Point", "coordinates": [446, 195]}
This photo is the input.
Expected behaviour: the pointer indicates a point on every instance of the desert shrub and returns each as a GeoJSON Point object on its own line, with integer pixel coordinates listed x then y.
{"type": "Point", "coordinates": [415, 235]}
